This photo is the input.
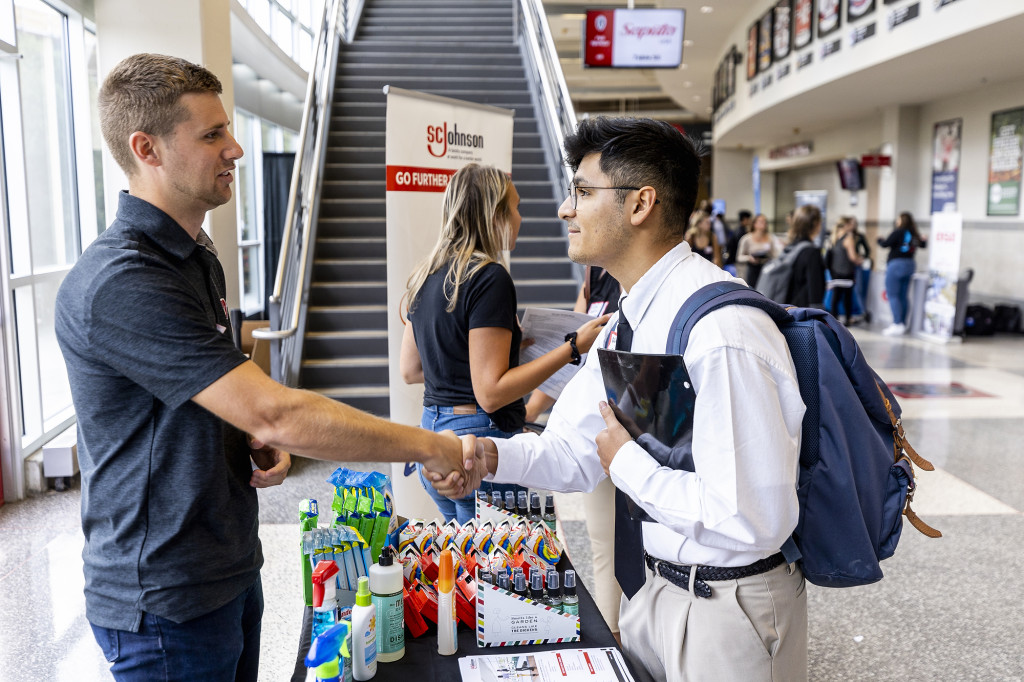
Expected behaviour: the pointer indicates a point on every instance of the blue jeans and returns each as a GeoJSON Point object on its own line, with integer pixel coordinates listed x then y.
{"type": "Point", "coordinates": [222, 646]}
{"type": "Point", "coordinates": [437, 418]}
{"type": "Point", "coordinates": [898, 273]}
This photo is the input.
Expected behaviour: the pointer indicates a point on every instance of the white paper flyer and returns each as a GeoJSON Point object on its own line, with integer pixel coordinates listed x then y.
{"type": "Point", "coordinates": [567, 665]}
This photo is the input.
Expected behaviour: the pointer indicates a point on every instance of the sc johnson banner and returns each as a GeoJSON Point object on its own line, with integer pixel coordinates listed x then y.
{"type": "Point", "coordinates": [634, 38]}
{"type": "Point", "coordinates": [428, 138]}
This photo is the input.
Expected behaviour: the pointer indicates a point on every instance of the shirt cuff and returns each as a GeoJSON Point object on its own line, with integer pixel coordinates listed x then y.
{"type": "Point", "coordinates": [511, 460]}
{"type": "Point", "coordinates": [631, 468]}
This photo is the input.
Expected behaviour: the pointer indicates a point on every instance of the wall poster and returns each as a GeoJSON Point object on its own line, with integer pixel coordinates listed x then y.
{"type": "Point", "coordinates": [1004, 162]}
{"type": "Point", "coordinates": [803, 23]}
{"type": "Point", "coordinates": [828, 17]}
{"type": "Point", "coordinates": [764, 43]}
{"type": "Point", "coordinates": [782, 29]}
{"type": "Point", "coordinates": [752, 52]}
{"type": "Point", "coordinates": [855, 9]}
{"type": "Point", "coordinates": [945, 164]}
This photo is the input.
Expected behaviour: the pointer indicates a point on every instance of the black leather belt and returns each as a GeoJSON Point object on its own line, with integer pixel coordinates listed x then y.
{"type": "Point", "coordinates": [679, 575]}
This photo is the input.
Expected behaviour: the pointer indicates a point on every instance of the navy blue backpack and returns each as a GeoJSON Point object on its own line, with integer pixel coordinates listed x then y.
{"type": "Point", "coordinates": [856, 479]}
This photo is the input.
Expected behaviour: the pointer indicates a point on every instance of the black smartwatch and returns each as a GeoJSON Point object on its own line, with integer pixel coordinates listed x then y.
{"type": "Point", "coordinates": [576, 357]}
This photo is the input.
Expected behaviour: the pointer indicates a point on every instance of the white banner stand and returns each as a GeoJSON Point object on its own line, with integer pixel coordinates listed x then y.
{"type": "Point", "coordinates": [944, 246]}
{"type": "Point", "coordinates": [428, 138]}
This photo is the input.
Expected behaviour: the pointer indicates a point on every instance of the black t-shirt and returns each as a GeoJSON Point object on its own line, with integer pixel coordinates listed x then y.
{"type": "Point", "coordinates": [488, 299]}
{"type": "Point", "coordinates": [604, 292]}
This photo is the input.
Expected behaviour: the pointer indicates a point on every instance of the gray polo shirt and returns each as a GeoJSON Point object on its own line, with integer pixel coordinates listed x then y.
{"type": "Point", "coordinates": [170, 520]}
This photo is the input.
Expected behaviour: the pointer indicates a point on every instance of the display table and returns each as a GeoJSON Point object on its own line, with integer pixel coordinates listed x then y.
{"type": "Point", "coordinates": [422, 663]}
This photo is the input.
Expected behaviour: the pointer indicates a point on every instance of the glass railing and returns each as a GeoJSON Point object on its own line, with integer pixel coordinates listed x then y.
{"type": "Point", "coordinates": [289, 298]}
{"type": "Point", "coordinates": [557, 116]}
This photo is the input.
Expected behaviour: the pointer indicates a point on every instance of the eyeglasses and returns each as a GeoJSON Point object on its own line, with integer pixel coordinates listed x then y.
{"type": "Point", "coordinates": [574, 189]}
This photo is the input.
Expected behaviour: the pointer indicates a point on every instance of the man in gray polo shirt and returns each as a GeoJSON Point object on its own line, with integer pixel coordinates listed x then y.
{"type": "Point", "coordinates": [164, 399]}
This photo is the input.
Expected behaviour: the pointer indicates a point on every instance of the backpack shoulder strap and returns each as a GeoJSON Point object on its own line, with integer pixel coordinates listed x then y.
{"type": "Point", "coordinates": [586, 285]}
{"type": "Point", "coordinates": [712, 297]}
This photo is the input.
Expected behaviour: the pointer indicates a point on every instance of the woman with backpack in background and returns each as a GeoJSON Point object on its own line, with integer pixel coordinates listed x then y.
{"type": "Point", "coordinates": [902, 243]}
{"type": "Point", "coordinates": [807, 281]}
{"type": "Point", "coordinates": [463, 336]}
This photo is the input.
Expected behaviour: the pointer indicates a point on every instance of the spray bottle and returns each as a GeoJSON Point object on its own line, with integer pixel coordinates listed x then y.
{"type": "Point", "coordinates": [549, 513]}
{"type": "Point", "coordinates": [308, 515]}
{"type": "Point", "coordinates": [570, 602]}
{"type": "Point", "coordinates": [364, 633]}
{"type": "Point", "coordinates": [328, 652]}
{"type": "Point", "coordinates": [447, 643]}
{"type": "Point", "coordinates": [386, 583]}
{"type": "Point", "coordinates": [325, 600]}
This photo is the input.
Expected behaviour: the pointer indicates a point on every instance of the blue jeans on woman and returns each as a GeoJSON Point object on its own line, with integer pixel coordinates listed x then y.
{"type": "Point", "coordinates": [221, 646]}
{"type": "Point", "coordinates": [439, 418]}
{"type": "Point", "coordinates": [898, 273]}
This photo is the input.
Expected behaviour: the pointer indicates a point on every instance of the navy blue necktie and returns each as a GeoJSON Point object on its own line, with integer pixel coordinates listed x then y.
{"type": "Point", "coordinates": [629, 541]}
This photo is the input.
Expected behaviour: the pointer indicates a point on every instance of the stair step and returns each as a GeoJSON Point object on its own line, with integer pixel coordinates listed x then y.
{"type": "Point", "coordinates": [351, 247]}
{"type": "Point", "coordinates": [346, 373]}
{"type": "Point", "coordinates": [348, 293]}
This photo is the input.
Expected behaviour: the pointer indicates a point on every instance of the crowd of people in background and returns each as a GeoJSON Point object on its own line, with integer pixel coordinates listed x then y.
{"type": "Point", "coordinates": [834, 276]}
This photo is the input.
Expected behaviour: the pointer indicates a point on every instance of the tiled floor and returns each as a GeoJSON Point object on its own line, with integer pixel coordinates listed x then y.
{"type": "Point", "coordinates": [948, 609]}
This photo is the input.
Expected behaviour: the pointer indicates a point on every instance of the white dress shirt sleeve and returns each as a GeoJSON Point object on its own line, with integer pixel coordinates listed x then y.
{"type": "Point", "coordinates": [564, 457]}
{"type": "Point", "coordinates": [746, 440]}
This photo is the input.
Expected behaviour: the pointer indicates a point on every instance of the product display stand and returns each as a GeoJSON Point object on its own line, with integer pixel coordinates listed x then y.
{"type": "Point", "coordinates": [422, 661]}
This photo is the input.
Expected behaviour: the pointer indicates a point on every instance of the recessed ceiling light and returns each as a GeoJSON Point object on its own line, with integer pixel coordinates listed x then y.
{"type": "Point", "coordinates": [687, 84]}
{"type": "Point", "coordinates": [684, 66]}
{"type": "Point", "coordinates": [696, 98]}
{"type": "Point", "coordinates": [687, 43]}
{"type": "Point", "coordinates": [707, 9]}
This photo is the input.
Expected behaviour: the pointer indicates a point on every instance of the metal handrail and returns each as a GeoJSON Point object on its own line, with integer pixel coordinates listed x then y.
{"type": "Point", "coordinates": [287, 300]}
{"type": "Point", "coordinates": [542, 57]}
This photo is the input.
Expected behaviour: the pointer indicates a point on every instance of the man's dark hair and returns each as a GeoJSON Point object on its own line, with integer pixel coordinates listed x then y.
{"type": "Point", "coordinates": [640, 151]}
{"type": "Point", "coordinates": [744, 214]}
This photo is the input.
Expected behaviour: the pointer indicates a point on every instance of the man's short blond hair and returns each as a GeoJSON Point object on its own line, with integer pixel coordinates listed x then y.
{"type": "Point", "coordinates": [143, 93]}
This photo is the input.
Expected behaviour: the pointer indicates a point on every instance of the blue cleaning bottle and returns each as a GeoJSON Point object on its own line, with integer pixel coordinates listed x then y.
{"type": "Point", "coordinates": [327, 653]}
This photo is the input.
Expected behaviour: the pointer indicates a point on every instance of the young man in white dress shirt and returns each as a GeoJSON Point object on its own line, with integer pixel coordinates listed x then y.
{"type": "Point", "coordinates": [634, 188]}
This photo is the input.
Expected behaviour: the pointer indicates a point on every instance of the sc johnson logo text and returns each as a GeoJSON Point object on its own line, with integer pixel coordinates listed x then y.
{"type": "Point", "coordinates": [439, 139]}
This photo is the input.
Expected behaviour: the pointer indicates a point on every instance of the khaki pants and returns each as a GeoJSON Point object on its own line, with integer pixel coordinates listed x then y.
{"type": "Point", "coordinates": [599, 506]}
{"type": "Point", "coordinates": [750, 630]}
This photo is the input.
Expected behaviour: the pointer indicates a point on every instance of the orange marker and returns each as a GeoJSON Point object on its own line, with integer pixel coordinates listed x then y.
{"type": "Point", "coordinates": [447, 643]}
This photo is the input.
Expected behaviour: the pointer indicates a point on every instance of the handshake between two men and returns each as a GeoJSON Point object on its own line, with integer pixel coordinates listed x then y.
{"type": "Point", "coordinates": [480, 458]}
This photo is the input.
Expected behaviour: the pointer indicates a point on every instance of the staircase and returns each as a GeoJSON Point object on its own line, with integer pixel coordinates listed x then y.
{"type": "Point", "coordinates": [456, 48]}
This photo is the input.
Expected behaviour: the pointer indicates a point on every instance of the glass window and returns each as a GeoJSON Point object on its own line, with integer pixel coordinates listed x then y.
{"type": "Point", "coordinates": [290, 140]}
{"type": "Point", "coordinates": [251, 262]}
{"type": "Point", "coordinates": [260, 11]}
{"type": "Point", "coordinates": [304, 50]}
{"type": "Point", "coordinates": [281, 30]}
{"type": "Point", "coordinates": [53, 376]}
{"type": "Point", "coordinates": [92, 69]}
{"type": "Point", "coordinates": [46, 122]}
{"type": "Point", "coordinates": [246, 179]}
{"type": "Point", "coordinates": [304, 12]}
{"type": "Point", "coordinates": [271, 137]}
